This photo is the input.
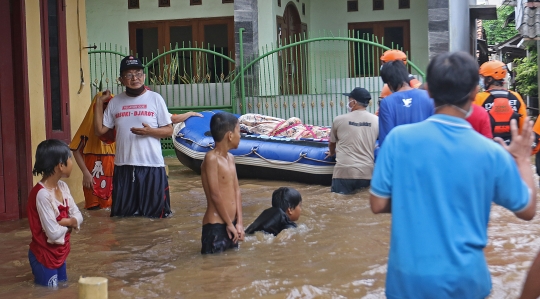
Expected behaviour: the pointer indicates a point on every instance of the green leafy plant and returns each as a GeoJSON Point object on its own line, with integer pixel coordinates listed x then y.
{"type": "Point", "coordinates": [496, 31]}
{"type": "Point", "coordinates": [175, 72]}
{"type": "Point", "coordinates": [98, 84]}
{"type": "Point", "coordinates": [527, 73]}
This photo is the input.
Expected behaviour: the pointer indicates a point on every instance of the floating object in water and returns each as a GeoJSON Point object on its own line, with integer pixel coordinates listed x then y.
{"type": "Point", "coordinates": [93, 288]}
{"type": "Point", "coordinates": [257, 156]}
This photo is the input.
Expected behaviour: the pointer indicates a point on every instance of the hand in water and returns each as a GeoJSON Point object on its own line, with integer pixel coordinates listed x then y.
{"type": "Point", "coordinates": [241, 233]}
{"type": "Point", "coordinates": [520, 147]}
{"type": "Point", "coordinates": [233, 234]}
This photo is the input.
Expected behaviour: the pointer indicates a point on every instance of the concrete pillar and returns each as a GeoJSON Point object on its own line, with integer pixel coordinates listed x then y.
{"type": "Point", "coordinates": [246, 15]}
{"type": "Point", "coordinates": [438, 27]}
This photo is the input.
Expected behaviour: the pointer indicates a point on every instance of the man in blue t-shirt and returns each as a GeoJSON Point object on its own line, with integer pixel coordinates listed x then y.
{"type": "Point", "coordinates": [439, 178]}
{"type": "Point", "coordinates": [405, 105]}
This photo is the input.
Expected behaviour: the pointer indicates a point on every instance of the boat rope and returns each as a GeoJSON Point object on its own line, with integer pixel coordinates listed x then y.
{"type": "Point", "coordinates": [300, 157]}
{"type": "Point", "coordinates": [317, 160]}
{"type": "Point", "coordinates": [210, 145]}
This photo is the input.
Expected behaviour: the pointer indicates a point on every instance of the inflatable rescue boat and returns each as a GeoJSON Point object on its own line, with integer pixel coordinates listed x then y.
{"type": "Point", "coordinates": [257, 156]}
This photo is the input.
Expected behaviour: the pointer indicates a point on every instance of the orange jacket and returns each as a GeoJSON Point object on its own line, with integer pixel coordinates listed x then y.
{"type": "Point", "coordinates": [536, 131]}
{"type": "Point", "coordinates": [522, 110]}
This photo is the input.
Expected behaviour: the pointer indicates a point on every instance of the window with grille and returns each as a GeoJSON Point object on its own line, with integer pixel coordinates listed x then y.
{"type": "Point", "coordinates": [148, 38]}
{"type": "Point", "coordinates": [352, 5]}
{"type": "Point", "coordinates": [378, 4]}
{"type": "Point", "coordinates": [363, 58]}
{"type": "Point", "coordinates": [404, 4]}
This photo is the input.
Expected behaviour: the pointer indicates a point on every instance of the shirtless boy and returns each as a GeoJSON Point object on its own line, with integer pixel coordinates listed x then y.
{"type": "Point", "coordinates": [222, 222]}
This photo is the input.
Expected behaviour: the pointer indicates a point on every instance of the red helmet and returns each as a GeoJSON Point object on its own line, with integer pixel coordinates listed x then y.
{"type": "Point", "coordinates": [392, 55]}
{"type": "Point", "coordinates": [495, 69]}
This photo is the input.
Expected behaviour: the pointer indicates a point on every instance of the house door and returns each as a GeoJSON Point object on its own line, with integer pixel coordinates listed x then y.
{"type": "Point", "coordinates": [292, 63]}
{"type": "Point", "coordinates": [9, 183]}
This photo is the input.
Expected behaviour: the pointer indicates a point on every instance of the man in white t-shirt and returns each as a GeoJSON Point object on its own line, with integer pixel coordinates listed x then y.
{"type": "Point", "coordinates": [140, 118]}
{"type": "Point", "coordinates": [352, 140]}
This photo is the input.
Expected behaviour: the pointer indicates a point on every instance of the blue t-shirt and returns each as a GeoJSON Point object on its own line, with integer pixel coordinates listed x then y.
{"type": "Point", "coordinates": [403, 107]}
{"type": "Point", "coordinates": [442, 177]}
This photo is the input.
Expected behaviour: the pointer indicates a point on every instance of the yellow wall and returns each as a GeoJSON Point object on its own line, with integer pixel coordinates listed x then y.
{"type": "Point", "coordinates": [78, 102]}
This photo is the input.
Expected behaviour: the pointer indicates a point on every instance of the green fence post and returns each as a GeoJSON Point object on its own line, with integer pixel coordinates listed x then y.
{"type": "Point", "coordinates": [242, 70]}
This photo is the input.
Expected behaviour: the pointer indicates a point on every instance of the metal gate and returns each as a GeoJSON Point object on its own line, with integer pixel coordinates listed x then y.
{"type": "Point", "coordinates": [302, 77]}
{"type": "Point", "coordinates": [306, 78]}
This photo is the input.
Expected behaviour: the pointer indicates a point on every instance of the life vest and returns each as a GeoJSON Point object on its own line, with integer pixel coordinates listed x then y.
{"type": "Point", "coordinates": [502, 107]}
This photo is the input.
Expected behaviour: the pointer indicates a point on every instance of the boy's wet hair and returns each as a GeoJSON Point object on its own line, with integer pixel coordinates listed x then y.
{"type": "Point", "coordinates": [221, 123]}
{"type": "Point", "coordinates": [395, 74]}
{"type": "Point", "coordinates": [49, 154]}
{"type": "Point", "coordinates": [286, 197]}
{"type": "Point", "coordinates": [451, 77]}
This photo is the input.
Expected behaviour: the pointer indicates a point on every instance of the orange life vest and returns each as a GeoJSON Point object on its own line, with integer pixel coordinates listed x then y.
{"type": "Point", "coordinates": [502, 107]}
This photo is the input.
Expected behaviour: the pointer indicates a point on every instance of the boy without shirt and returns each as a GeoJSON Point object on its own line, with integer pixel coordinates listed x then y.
{"type": "Point", "coordinates": [222, 222]}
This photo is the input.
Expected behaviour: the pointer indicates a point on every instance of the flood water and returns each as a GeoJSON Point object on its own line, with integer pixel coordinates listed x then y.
{"type": "Point", "coordinates": [339, 250]}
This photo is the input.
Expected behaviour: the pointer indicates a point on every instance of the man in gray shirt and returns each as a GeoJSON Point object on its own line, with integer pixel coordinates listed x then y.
{"type": "Point", "coordinates": [352, 140]}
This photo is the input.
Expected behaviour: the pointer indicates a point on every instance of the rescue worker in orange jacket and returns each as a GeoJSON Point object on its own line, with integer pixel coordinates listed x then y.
{"type": "Point", "coordinates": [393, 54]}
{"type": "Point", "coordinates": [536, 143]}
{"type": "Point", "coordinates": [501, 104]}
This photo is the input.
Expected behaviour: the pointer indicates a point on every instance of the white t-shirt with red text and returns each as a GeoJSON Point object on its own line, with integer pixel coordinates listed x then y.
{"type": "Point", "coordinates": [125, 112]}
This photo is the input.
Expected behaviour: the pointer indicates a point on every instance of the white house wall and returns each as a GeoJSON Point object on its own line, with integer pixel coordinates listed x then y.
{"type": "Point", "coordinates": [107, 20]}
{"type": "Point", "coordinates": [333, 16]}
{"type": "Point", "coordinates": [329, 18]}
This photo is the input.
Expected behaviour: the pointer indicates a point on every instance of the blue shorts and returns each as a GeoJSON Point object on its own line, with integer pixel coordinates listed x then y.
{"type": "Point", "coordinates": [45, 276]}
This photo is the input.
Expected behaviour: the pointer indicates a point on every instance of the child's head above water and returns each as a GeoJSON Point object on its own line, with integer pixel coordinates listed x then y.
{"type": "Point", "coordinates": [49, 154]}
{"type": "Point", "coordinates": [221, 124]}
{"type": "Point", "coordinates": [289, 200]}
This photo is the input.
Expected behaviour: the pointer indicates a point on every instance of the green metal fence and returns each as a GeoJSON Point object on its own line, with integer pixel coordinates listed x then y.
{"type": "Point", "coordinates": [301, 77]}
{"type": "Point", "coordinates": [306, 77]}
{"type": "Point", "coordinates": [189, 78]}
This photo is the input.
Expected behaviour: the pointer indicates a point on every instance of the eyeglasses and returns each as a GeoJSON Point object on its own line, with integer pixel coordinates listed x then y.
{"type": "Point", "coordinates": [130, 76]}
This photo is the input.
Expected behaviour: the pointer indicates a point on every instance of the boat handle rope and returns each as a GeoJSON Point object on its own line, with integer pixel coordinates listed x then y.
{"type": "Point", "coordinates": [302, 155]}
{"type": "Point", "coordinates": [210, 145]}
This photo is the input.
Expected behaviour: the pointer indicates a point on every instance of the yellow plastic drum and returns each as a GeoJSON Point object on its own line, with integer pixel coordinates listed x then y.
{"type": "Point", "coordinates": [93, 288]}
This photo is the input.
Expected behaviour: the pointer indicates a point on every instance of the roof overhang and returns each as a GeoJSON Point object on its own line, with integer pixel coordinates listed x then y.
{"type": "Point", "coordinates": [483, 12]}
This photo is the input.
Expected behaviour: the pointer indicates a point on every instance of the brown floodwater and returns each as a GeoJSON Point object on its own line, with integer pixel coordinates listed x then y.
{"type": "Point", "coordinates": [339, 250]}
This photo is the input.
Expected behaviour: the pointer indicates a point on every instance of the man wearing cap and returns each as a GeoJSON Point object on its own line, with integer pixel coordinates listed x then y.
{"type": "Point", "coordinates": [427, 176]}
{"type": "Point", "coordinates": [352, 141]}
{"type": "Point", "coordinates": [140, 118]}
{"type": "Point", "coordinates": [405, 105]}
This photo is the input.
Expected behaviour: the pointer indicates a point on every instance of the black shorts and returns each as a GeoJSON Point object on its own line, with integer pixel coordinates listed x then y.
{"type": "Point", "coordinates": [348, 186]}
{"type": "Point", "coordinates": [140, 191]}
{"type": "Point", "coordinates": [215, 239]}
